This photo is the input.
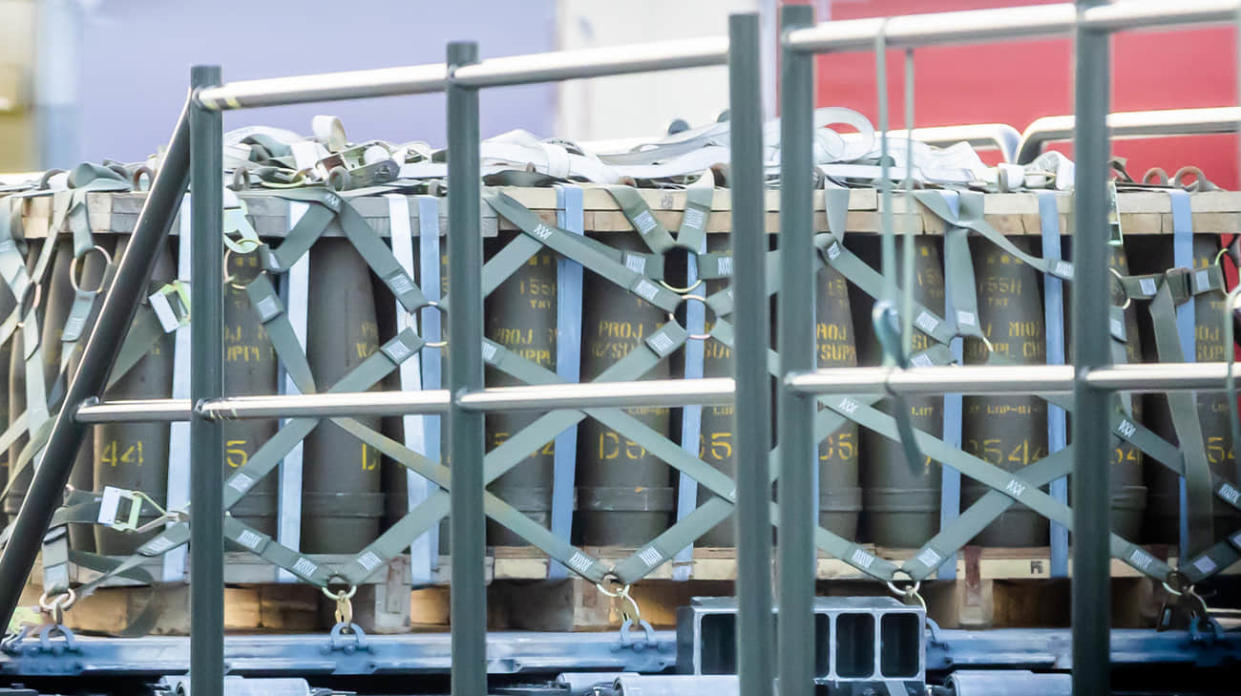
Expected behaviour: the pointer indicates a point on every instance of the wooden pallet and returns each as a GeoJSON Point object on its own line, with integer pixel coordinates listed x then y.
{"type": "Point", "coordinates": [994, 588]}
{"type": "Point", "coordinates": [1141, 212]}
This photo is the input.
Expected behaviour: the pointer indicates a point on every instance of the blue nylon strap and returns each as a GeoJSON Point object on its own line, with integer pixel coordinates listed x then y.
{"type": "Point", "coordinates": [1053, 316]}
{"type": "Point", "coordinates": [950, 491]}
{"type": "Point", "coordinates": [570, 217]}
{"type": "Point", "coordinates": [432, 358]}
{"type": "Point", "coordinates": [691, 416]}
{"type": "Point", "coordinates": [1183, 257]}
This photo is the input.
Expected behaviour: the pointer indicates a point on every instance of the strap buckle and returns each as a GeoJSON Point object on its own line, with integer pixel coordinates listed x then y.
{"type": "Point", "coordinates": [55, 607]}
{"type": "Point", "coordinates": [109, 510]}
{"type": "Point", "coordinates": [172, 315]}
{"type": "Point", "coordinates": [246, 240]}
{"type": "Point", "coordinates": [1179, 282]}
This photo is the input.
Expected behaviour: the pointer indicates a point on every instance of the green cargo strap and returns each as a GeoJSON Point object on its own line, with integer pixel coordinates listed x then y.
{"type": "Point", "coordinates": [368, 373]}
{"type": "Point", "coordinates": [369, 245]}
{"type": "Point", "coordinates": [371, 371]}
{"type": "Point", "coordinates": [1214, 559]}
{"type": "Point", "coordinates": [275, 320]}
{"type": "Point", "coordinates": [1184, 411]}
{"type": "Point", "coordinates": [1007, 483]}
{"type": "Point", "coordinates": [313, 223]}
{"type": "Point", "coordinates": [717, 509]}
{"type": "Point", "coordinates": [55, 559]}
{"type": "Point", "coordinates": [393, 542]}
{"type": "Point", "coordinates": [80, 313]}
{"type": "Point", "coordinates": [82, 180]}
{"type": "Point", "coordinates": [653, 233]}
{"type": "Point", "coordinates": [868, 280]}
{"type": "Point", "coordinates": [691, 235]}
{"type": "Point", "coordinates": [572, 247]}
{"type": "Point", "coordinates": [971, 217]}
{"type": "Point", "coordinates": [962, 291]}
{"type": "Point", "coordinates": [982, 513]}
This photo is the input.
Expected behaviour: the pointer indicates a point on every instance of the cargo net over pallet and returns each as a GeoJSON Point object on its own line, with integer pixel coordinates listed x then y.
{"type": "Point", "coordinates": [330, 290]}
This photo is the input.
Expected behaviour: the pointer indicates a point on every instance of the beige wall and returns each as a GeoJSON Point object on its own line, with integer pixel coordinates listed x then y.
{"type": "Point", "coordinates": [641, 105]}
{"type": "Point", "coordinates": [18, 146]}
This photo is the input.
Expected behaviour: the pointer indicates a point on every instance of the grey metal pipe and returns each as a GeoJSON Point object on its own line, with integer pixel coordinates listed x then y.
{"type": "Point", "coordinates": [1010, 23]}
{"type": "Point", "coordinates": [465, 374]}
{"type": "Point", "coordinates": [1009, 682]}
{"type": "Point", "coordinates": [596, 62]}
{"type": "Point", "coordinates": [752, 414]}
{"type": "Point", "coordinates": [206, 382]}
{"type": "Point", "coordinates": [1132, 124]}
{"type": "Point", "coordinates": [678, 684]}
{"type": "Point", "coordinates": [662, 392]}
{"type": "Point", "coordinates": [799, 479]}
{"type": "Point", "coordinates": [1092, 448]}
{"type": "Point", "coordinates": [119, 305]}
{"type": "Point", "coordinates": [511, 70]}
{"type": "Point", "coordinates": [352, 84]}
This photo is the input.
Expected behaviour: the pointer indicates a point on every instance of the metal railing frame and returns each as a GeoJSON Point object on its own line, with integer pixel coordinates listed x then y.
{"type": "Point", "coordinates": [196, 142]}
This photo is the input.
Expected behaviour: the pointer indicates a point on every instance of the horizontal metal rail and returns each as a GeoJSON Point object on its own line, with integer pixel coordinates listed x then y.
{"type": "Point", "coordinates": [1132, 124]}
{"type": "Point", "coordinates": [671, 393]}
{"type": "Point", "coordinates": [511, 70]}
{"type": "Point", "coordinates": [1009, 23]}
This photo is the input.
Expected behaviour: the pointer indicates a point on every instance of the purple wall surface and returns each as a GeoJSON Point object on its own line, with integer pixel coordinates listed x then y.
{"type": "Point", "coordinates": [136, 58]}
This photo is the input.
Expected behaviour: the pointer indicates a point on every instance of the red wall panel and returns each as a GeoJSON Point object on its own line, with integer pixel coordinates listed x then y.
{"type": "Point", "coordinates": [1017, 82]}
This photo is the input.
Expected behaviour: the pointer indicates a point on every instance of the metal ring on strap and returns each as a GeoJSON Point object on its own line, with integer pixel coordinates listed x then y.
{"type": "Point", "coordinates": [73, 270]}
{"type": "Point", "coordinates": [57, 607]}
{"type": "Point", "coordinates": [435, 344]}
{"type": "Point", "coordinates": [683, 298]}
{"type": "Point", "coordinates": [681, 291]}
{"type": "Point", "coordinates": [46, 180]}
{"type": "Point", "coordinates": [135, 177]}
{"type": "Point", "coordinates": [1120, 278]}
{"type": "Point", "coordinates": [241, 179]}
{"type": "Point", "coordinates": [907, 591]}
{"type": "Point", "coordinates": [229, 278]}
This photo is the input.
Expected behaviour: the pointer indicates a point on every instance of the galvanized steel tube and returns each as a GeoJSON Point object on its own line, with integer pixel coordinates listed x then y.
{"type": "Point", "coordinates": [799, 480]}
{"type": "Point", "coordinates": [1091, 349]}
{"type": "Point", "coordinates": [465, 373]}
{"type": "Point", "coordinates": [755, 663]}
{"type": "Point", "coordinates": [206, 382]}
{"type": "Point", "coordinates": [1010, 23]}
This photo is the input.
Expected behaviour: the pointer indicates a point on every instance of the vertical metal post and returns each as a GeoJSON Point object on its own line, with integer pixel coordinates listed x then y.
{"type": "Point", "coordinates": [206, 382]}
{"type": "Point", "coordinates": [465, 373]}
{"type": "Point", "coordinates": [799, 478]}
{"type": "Point", "coordinates": [753, 404]}
{"type": "Point", "coordinates": [1092, 452]}
{"type": "Point", "coordinates": [48, 483]}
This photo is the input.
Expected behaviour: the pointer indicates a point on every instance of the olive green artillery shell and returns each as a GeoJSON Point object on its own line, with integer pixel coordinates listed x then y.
{"type": "Point", "coordinates": [341, 501]}
{"type": "Point", "coordinates": [1008, 431]}
{"type": "Point", "coordinates": [249, 368]}
{"type": "Point", "coordinates": [134, 456]}
{"type": "Point", "coordinates": [624, 493]}
{"type": "Point", "coordinates": [521, 316]}
{"type": "Point", "coordinates": [900, 508]}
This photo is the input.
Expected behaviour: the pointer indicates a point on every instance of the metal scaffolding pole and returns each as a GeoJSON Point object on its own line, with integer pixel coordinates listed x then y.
{"type": "Point", "coordinates": [799, 478]}
{"type": "Point", "coordinates": [47, 486]}
{"type": "Point", "coordinates": [753, 410]}
{"type": "Point", "coordinates": [206, 382]}
{"type": "Point", "coordinates": [465, 374]}
{"type": "Point", "coordinates": [1091, 610]}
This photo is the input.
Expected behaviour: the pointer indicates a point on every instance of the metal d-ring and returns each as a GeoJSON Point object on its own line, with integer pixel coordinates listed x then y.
{"type": "Point", "coordinates": [681, 291]}
{"type": "Point", "coordinates": [1121, 279]}
{"type": "Point", "coordinates": [436, 306]}
{"type": "Point", "coordinates": [231, 279]}
{"type": "Point", "coordinates": [73, 270]}
{"type": "Point", "coordinates": [58, 605]}
{"type": "Point", "coordinates": [684, 297]}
